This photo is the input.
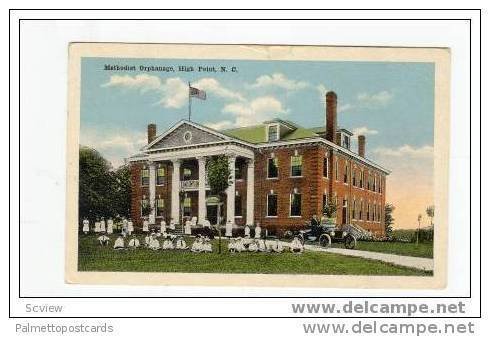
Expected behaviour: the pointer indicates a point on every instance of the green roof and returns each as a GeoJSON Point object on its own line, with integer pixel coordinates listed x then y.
{"type": "Point", "coordinates": [317, 129]}
{"type": "Point", "coordinates": [252, 134]}
{"type": "Point", "coordinates": [257, 133]}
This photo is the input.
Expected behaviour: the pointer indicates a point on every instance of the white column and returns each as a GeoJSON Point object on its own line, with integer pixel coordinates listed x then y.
{"type": "Point", "coordinates": [230, 198]}
{"type": "Point", "coordinates": [202, 189]}
{"type": "Point", "coordinates": [151, 219]}
{"type": "Point", "coordinates": [250, 192]}
{"type": "Point", "coordinates": [175, 204]}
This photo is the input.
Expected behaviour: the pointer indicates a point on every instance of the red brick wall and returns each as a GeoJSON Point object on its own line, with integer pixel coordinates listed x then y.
{"type": "Point", "coordinates": [137, 191]}
{"type": "Point", "coordinates": [308, 185]}
{"type": "Point", "coordinates": [350, 192]}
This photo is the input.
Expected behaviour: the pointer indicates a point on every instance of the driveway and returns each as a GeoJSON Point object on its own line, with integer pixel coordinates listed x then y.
{"type": "Point", "coordinates": [401, 260]}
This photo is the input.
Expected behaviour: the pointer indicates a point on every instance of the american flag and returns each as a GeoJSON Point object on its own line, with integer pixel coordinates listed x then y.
{"type": "Point", "coordinates": [194, 92]}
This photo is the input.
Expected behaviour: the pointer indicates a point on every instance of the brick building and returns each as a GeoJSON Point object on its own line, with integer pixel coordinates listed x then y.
{"type": "Point", "coordinates": [282, 174]}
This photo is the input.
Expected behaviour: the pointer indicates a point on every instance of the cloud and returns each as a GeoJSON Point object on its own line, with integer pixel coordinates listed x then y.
{"type": "Point", "coordinates": [345, 107]}
{"type": "Point", "coordinates": [142, 82]}
{"type": "Point", "coordinates": [364, 130]}
{"type": "Point", "coordinates": [381, 98]}
{"type": "Point", "coordinates": [279, 80]}
{"type": "Point", "coordinates": [254, 111]}
{"type": "Point", "coordinates": [322, 89]}
{"type": "Point", "coordinates": [405, 151]}
{"type": "Point", "coordinates": [221, 125]}
{"type": "Point", "coordinates": [212, 85]}
{"type": "Point", "coordinates": [173, 91]}
{"type": "Point", "coordinates": [113, 145]}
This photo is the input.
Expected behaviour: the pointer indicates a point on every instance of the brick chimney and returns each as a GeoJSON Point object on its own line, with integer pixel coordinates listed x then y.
{"type": "Point", "coordinates": [361, 143]}
{"type": "Point", "coordinates": [338, 138]}
{"type": "Point", "coordinates": [331, 116]}
{"type": "Point", "coordinates": [152, 132]}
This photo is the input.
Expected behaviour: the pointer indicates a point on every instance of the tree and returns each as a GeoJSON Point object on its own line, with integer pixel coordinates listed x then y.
{"type": "Point", "coordinates": [121, 198]}
{"type": "Point", "coordinates": [389, 220]}
{"type": "Point", "coordinates": [419, 219]}
{"type": "Point", "coordinates": [103, 192]}
{"type": "Point", "coordinates": [219, 175]}
{"type": "Point", "coordinates": [430, 213]}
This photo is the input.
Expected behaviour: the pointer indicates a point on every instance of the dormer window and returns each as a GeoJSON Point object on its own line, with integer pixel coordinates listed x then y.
{"type": "Point", "coordinates": [343, 138]}
{"type": "Point", "coordinates": [273, 133]}
{"type": "Point", "coordinates": [346, 141]}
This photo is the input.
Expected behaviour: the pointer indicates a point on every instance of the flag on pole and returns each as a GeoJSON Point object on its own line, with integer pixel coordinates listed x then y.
{"type": "Point", "coordinates": [194, 92]}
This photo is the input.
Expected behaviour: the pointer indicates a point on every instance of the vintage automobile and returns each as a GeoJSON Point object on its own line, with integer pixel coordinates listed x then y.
{"type": "Point", "coordinates": [328, 232]}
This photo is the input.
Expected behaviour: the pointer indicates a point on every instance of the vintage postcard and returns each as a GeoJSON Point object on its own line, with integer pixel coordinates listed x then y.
{"type": "Point", "coordinates": [257, 165]}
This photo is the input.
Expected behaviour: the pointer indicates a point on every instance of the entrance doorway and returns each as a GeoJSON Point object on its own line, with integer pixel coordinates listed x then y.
{"type": "Point", "coordinates": [214, 210]}
{"type": "Point", "coordinates": [212, 213]}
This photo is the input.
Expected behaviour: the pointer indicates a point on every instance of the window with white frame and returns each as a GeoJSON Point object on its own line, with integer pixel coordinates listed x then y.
{"type": "Point", "coordinates": [272, 168]}
{"type": "Point", "coordinates": [144, 205]}
{"type": "Point", "coordinates": [238, 204]}
{"type": "Point", "coordinates": [145, 176]}
{"type": "Point", "coordinates": [336, 169]}
{"type": "Point", "coordinates": [296, 166]}
{"type": "Point", "coordinates": [361, 209]}
{"type": "Point", "coordinates": [187, 206]}
{"type": "Point", "coordinates": [272, 204]}
{"type": "Point", "coordinates": [354, 209]}
{"type": "Point", "coordinates": [325, 166]}
{"type": "Point", "coordinates": [187, 173]}
{"type": "Point", "coordinates": [273, 133]}
{"type": "Point", "coordinates": [160, 174]}
{"type": "Point", "coordinates": [346, 174]}
{"type": "Point", "coordinates": [160, 206]}
{"type": "Point", "coordinates": [295, 203]}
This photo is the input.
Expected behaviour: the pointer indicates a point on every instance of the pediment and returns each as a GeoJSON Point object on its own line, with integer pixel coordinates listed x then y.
{"type": "Point", "coordinates": [187, 134]}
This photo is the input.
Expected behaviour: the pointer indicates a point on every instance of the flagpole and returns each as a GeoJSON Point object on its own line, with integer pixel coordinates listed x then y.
{"type": "Point", "coordinates": [189, 101]}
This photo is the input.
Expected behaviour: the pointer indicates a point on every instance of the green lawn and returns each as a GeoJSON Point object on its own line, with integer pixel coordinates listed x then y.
{"type": "Point", "coordinates": [93, 257]}
{"type": "Point", "coordinates": [398, 248]}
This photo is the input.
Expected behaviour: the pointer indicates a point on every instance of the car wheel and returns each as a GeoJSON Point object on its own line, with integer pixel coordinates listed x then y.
{"type": "Point", "coordinates": [350, 241]}
{"type": "Point", "coordinates": [325, 240]}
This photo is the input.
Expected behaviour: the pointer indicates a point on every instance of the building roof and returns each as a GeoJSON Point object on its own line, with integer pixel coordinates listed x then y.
{"type": "Point", "coordinates": [256, 134]}
{"type": "Point", "coordinates": [318, 129]}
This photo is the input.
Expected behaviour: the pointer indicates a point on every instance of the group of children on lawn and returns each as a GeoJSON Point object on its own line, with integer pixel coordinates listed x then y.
{"type": "Point", "coordinates": [202, 243]}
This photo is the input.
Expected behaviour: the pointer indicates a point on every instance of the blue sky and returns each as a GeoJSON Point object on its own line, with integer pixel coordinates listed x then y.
{"type": "Point", "coordinates": [391, 103]}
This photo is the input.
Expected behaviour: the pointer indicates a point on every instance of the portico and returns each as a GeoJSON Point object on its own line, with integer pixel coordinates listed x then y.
{"type": "Point", "coordinates": [187, 169]}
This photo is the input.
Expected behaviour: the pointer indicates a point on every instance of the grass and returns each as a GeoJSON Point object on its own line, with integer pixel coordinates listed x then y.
{"type": "Point", "coordinates": [397, 248]}
{"type": "Point", "coordinates": [93, 257]}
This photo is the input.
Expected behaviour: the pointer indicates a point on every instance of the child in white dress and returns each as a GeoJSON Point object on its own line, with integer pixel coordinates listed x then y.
{"type": "Point", "coordinates": [206, 246]}
{"type": "Point", "coordinates": [154, 243]}
{"type": "Point", "coordinates": [277, 247]}
{"type": "Point", "coordinates": [296, 246]}
{"type": "Point", "coordinates": [119, 243]}
{"type": "Point", "coordinates": [86, 226]}
{"type": "Point", "coordinates": [103, 240]}
{"type": "Point", "coordinates": [130, 227]}
{"type": "Point", "coordinates": [232, 245]}
{"type": "Point", "coordinates": [197, 245]}
{"type": "Point", "coordinates": [253, 246]}
{"type": "Point", "coordinates": [261, 245]}
{"type": "Point", "coordinates": [181, 244]}
{"type": "Point", "coordinates": [134, 242]}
